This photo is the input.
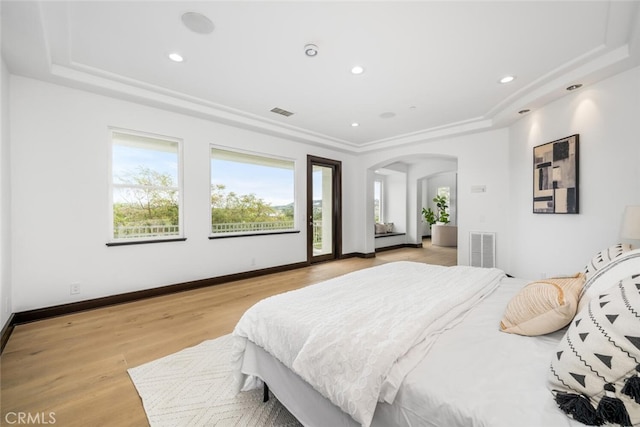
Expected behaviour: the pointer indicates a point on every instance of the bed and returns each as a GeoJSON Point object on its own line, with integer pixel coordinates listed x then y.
{"type": "Point", "coordinates": [450, 364]}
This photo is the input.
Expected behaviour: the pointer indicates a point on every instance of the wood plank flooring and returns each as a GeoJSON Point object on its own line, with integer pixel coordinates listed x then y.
{"type": "Point", "coordinates": [73, 368]}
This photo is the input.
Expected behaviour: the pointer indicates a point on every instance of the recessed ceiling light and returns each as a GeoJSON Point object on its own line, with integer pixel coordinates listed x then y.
{"type": "Point", "coordinates": [355, 124]}
{"type": "Point", "coordinates": [176, 57]}
{"type": "Point", "coordinates": [197, 22]}
{"type": "Point", "coordinates": [311, 50]}
{"type": "Point", "coordinates": [507, 79]}
{"type": "Point", "coordinates": [574, 87]}
{"type": "Point", "coordinates": [357, 70]}
{"type": "Point", "coordinates": [388, 115]}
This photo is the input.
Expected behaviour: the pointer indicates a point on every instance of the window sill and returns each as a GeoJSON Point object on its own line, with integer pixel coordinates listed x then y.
{"type": "Point", "coordinates": [272, 233]}
{"type": "Point", "coordinates": [144, 242]}
{"type": "Point", "coordinates": [390, 234]}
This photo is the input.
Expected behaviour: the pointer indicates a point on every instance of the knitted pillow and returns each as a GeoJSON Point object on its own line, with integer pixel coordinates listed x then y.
{"type": "Point", "coordinates": [543, 307]}
{"type": "Point", "coordinates": [594, 372]}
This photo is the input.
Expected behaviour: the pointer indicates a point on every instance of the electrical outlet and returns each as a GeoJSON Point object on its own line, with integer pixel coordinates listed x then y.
{"type": "Point", "coordinates": [74, 289]}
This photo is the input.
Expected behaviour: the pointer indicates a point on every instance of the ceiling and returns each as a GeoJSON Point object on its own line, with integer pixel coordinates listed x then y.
{"type": "Point", "coordinates": [431, 68]}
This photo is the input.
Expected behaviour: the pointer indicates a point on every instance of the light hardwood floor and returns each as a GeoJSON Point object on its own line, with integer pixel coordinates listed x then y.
{"type": "Point", "coordinates": [75, 366]}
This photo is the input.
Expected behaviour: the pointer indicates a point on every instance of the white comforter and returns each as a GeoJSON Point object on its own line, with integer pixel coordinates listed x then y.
{"type": "Point", "coordinates": [355, 337]}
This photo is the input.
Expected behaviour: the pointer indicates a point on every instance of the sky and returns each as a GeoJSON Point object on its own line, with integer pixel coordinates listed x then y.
{"type": "Point", "coordinates": [126, 161]}
{"type": "Point", "coordinates": [273, 185]}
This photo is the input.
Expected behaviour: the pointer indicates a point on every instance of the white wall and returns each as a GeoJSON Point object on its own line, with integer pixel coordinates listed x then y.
{"type": "Point", "coordinates": [56, 203]}
{"type": "Point", "coordinates": [395, 201]}
{"type": "Point", "coordinates": [535, 245]}
{"type": "Point", "coordinates": [5, 199]}
{"type": "Point", "coordinates": [59, 178]}
{"type": "Point", "coordinates": [607, 118]}
{"type": "Point", "coordinates": [423, 171]}
{"type": "Point", "coordinates": [482, 159]}
{"type": "Point", "coordinates": [394, 194]}
{"type": "Point", "coordinates": [447, 179]}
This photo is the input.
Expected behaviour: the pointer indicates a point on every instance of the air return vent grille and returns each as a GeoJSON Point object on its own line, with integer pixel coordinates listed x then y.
{"type": "Point", "coordinates": [482, 251]}
{"type": "Point", "coordinates": [281, 111]}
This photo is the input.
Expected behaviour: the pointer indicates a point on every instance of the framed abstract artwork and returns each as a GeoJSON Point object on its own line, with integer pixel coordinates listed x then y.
{"type": "Point", "coordinates": [555, 176]}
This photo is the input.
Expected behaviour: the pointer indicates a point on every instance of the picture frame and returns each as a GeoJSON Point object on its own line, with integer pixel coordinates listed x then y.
{"type": "Point", "coordinates": [555, 176]}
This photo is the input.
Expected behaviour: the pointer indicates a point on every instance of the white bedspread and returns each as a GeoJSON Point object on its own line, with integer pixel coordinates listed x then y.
{"type": "Point", "coordinates": [355, 337]}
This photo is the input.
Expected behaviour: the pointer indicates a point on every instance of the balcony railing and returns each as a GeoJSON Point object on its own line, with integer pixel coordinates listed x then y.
{"type": "Point", "coordinates": [317, 234]}
{"type": "Point", "coordinates": [141, 231]}
{"type": "Point", "coordinates": [245, 227]}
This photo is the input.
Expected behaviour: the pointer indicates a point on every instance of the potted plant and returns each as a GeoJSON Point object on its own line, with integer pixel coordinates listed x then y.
{"type": "Point", "coordinates": [441, 204]}
{"type": "Point", "coordinates": [442, 216]}
{"type": "Point", "coordinates": [429, 216]}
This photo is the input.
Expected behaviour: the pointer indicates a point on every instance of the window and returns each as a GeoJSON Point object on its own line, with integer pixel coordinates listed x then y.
{"type": "Point", "coordinates": [377, 201]}
{"type": "Point", "coordinates": [146, 196]}
{"type": "Point", "coordinates": [251, 194]}
{"type": "Point", "coordinates": [445, 193]}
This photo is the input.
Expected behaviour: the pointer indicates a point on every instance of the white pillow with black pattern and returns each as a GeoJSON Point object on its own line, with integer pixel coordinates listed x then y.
{"type": "Point", "coordinates": [604, 257]}
{"type": "Point", "coordinates": [594, 374]}
{"type": "Point", "coordinates": [623, 265]}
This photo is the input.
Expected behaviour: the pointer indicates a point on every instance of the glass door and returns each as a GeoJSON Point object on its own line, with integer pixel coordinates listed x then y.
{"type": "Point", "coordinates": [323, 209]}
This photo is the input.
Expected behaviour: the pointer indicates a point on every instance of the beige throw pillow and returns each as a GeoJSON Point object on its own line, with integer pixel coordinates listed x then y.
{"type": "Point", "coordinates": [543, 307]}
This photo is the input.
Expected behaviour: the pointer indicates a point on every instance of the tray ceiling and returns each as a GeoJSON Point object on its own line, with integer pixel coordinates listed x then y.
{"type": "Point", "coordinates": [431, 68]}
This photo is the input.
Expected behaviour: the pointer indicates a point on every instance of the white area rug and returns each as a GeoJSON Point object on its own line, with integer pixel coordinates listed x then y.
{"type": "Point", "coordinates": [194, 387]}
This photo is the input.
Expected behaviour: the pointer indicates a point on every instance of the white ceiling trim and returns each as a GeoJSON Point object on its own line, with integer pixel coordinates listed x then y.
{"type": "Point", "coordinates": [539, 93]}
{"type": "Point", "coordinates": [454, 129]}
{"type": "Point", "coordinates": [110, 83]}
{"type": "Point", "coordinates": [552, 76]}
{"type": "Point", "coordinates": [604, 66]}
{"type": "Point", "coordinates": [175, 101]}
{"type": "Point", "coordinates": [51, 26]}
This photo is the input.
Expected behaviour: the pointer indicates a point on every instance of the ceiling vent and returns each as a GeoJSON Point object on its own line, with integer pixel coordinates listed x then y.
{"type": "Point", "coordinates": [281, 112]}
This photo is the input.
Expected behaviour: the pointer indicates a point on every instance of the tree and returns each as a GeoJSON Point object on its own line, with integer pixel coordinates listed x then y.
{"type": "Point", "coordinates": [150, 198]}
{"type": "Point", "coordinates": [229, 207]}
